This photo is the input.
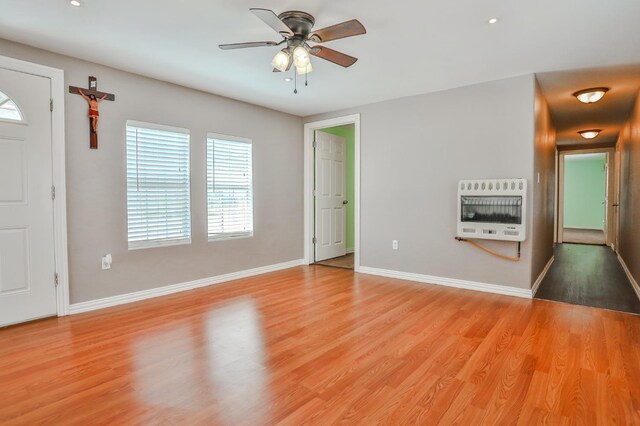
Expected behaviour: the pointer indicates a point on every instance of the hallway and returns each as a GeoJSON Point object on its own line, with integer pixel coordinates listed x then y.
{"type": "Point", "coordinates": [589, 275]}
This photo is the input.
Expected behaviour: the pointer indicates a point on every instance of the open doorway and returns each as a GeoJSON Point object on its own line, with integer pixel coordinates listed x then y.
{"type": "Point", "coordinates": [334, 178]}
{"type": "Point", "coordinates": [331, 192]}
{"type": "Point", "coordinates": [584, 216]}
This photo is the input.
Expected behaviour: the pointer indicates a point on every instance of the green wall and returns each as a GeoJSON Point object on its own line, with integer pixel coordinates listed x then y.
{"type": "Point", "coordinates": [348, 133]}
{"type": "Point", "coordinates": [584, 191]}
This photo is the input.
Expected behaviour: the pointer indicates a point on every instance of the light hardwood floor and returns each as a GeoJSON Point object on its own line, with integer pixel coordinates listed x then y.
{"type": "Point", "coordinates": [321, 345]}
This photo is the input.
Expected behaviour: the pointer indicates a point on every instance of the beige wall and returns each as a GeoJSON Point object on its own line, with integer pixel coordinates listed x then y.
{"type": "Point", "coordinates": [96, 184]}
{"type": "Point", "coordinates": [544, 190]}
{"type": "Point", "coordinates": [629, 228]}
{"type": "Point", "coordinates": [413, 153]}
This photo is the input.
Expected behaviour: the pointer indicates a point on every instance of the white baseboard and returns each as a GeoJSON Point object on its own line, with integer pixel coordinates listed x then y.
{"type": "Point", "coordinates": [543, 274]}
{"type": "Point", "coordinates": [449, 282]}
{"type": "Point", "coordinates": [350, 250]}
{"type": "Point", "coordinates": [121, 299]}
{"type": "Point", "coordinates": [586, 228]}
{"type": "Point", "coordinates": [634, 283]}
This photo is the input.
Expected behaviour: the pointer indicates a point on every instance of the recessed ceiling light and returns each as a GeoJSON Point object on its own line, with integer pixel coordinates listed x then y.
{"type": "Point", "coordinates": [288, 79]}
{"type": "Point", "coordinates": [590, 134]}
{"type": "Point", "coordinates": [493, 20]}
{"type": "Point", "coordinates": [590, 96]}
{"type": "Point", "coordinates": [75, 3]}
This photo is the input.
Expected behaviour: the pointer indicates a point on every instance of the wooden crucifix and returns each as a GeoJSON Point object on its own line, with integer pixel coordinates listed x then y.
{"type": "Point", "coordinates": [94, 97]}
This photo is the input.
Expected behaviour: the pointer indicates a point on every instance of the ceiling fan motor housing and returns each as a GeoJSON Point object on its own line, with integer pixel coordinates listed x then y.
{"type": "Point", "coordinates": [300, 23]}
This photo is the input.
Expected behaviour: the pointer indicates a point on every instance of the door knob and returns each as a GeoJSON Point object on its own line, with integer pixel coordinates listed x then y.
{"type": "Point", "coordinates": [345, 201]}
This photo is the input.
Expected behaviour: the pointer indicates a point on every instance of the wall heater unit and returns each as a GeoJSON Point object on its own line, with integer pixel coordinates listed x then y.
{"type": "Point", "coordinates": [493, 209]}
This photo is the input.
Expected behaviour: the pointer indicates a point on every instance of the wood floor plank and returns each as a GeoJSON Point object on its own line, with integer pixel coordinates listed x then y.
{"type": "Point", "coordinates": [317, 345]}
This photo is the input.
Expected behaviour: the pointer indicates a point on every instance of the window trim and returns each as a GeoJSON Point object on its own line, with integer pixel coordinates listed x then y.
{"type": "Point", "coordinates": [230, 235]}
{"type": "Point", "coordinates": [23, 118]}
{"type": "Point", "coordinates": [147, 244]}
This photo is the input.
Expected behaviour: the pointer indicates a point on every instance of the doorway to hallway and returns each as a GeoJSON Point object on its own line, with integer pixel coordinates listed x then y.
{"type": "Point", "coordinates": [586, 270]}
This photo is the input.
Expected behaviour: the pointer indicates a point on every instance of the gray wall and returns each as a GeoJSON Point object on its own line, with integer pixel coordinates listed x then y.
{"type": "Point", "coordinates": [96, 185]}
{"type": "Point", "coordinates": [413, 152]}
{"type": "Point", "coordinates": [629, 232]}
{"type": "Point", "coordinates": [542, 204]}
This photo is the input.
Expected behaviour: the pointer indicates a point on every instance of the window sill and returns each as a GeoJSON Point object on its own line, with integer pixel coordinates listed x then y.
{"type": "Point", "coordinates": [230, 237]}
{"type": "Point", "coordinates": [139, 245]}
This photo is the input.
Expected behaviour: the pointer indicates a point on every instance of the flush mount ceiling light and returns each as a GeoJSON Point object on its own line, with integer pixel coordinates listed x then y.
{"type": "Point", "coordinates": [590, 96]}
{"type": "Point", "coordinates": [296, 29]}
{"type": "Point", "coordinates": [75, 3]}
{"type": "Point", "coordinates": [590, 134]}
{"type": "Point", "coordinates": [493, 20]}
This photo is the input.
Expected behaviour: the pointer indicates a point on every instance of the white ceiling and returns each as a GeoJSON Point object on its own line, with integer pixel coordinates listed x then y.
{"type": "Point", "coordinates": [411, 47]}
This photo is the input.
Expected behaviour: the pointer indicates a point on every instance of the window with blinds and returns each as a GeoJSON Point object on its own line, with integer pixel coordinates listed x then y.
{"type": "Point", "coordinates": [158, 185]}
{"type": "Point", "coordinates": [229, 187]}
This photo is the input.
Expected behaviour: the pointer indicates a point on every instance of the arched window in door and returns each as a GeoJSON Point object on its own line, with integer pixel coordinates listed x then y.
{"type": "Point", "coordinates": [8, 108]}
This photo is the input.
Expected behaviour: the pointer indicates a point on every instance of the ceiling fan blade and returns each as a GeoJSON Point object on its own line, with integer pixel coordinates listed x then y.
{"type": "Point", "coordinates": [245, 45]}
{"type": "Point", "coordinates": [271, 19]}
{"type": "Point", "coordinates": [333, 56]}
{"type": "Point", "coordinates": [335, 32]}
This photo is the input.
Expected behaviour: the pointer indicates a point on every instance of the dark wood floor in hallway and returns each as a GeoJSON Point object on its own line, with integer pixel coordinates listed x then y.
{"type": "Point", "coordinates": [589, 275]}
{"type": "Point", "coordinates": [317, 345]}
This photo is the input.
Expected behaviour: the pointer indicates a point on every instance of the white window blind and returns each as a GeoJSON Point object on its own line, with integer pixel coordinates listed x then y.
{"type": "Point", "coordinates": [158, 186]}
{"type": "Point", "coordinates": [229, 187]}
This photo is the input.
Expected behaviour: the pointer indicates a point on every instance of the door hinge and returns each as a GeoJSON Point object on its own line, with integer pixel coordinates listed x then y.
{"type": "Point", "coordinates": [55, 279]}
{"type": "Point", "coordinates": [51, 104]}
{"type": "Point", "coordinates": [315, 144]}
{"type": "Point", "coordinates": [53, 192]}
{"type": "Point", "coordinates": [315, 192]}
{"type": "Point", "coordinates": [315, 240]}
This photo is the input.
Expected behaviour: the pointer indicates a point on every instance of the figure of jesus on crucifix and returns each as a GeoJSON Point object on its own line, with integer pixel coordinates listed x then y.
{"type": "Point", "coordinates": [93, 109]}
{"type": "Point", "coordinates": [94, 97]}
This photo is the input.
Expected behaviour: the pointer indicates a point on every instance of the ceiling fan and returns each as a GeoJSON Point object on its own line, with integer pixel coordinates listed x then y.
{"type": "Point", "coordinates": [296, 28]}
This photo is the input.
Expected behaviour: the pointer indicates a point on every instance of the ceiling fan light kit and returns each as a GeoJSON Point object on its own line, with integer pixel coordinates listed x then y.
{"type": "Point", "coordinates": [296, 29]}
{"type": "Point", "coordinates": [281, 60]}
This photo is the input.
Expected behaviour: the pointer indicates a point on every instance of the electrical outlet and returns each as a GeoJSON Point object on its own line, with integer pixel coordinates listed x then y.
{"type": "Point", "coordinates": [106, 261]}
{"type": "Point", "coordinates": [394, 244]}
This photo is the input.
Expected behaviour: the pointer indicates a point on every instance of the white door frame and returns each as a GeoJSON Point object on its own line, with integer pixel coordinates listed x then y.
{"type": "Point", "coordinates": [59, 178]}
{"type": "Point", "coordinates": [610, 181]}
{"type": "Point", "coordinates": [309, 130]}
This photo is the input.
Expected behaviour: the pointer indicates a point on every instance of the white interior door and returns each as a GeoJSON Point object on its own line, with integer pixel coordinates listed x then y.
{"type": "Point", "coordinates": [330, 196]}
{"type": "Point", "coordinates": [27, 264]}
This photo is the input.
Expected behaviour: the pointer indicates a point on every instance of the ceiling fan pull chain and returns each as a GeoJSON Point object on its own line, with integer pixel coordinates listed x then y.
{"type": "Point", "coordinates": [295, 83]}
{"type": "Point", "coordinates": [306, 79]}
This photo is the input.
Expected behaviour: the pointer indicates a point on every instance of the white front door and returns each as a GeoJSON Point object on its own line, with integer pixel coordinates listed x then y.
{"type": "Point", "coordinates": [330, 196]}
{"type": "Point", "coordinates": [27, 264]}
